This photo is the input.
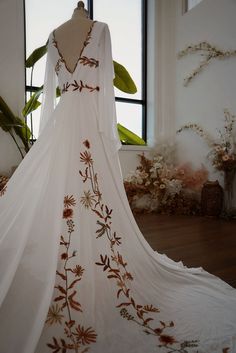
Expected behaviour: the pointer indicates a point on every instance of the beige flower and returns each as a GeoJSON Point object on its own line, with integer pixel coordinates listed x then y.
{"type": "Point", "coordinates": [225, 157]}
{"type": "Point", "coordinates": [162, 186]}
{"type": "Point", "coordinates": [218, 148]}
{"type": "Point", "coordinates": [78, 271]}
{"type": "Point", "coordinates": [88, 199]}
{"type": "Point", "coordinates": [54, 316]}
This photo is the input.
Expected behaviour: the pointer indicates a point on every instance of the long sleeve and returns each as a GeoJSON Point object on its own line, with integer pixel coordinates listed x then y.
{"type": "Point", "coordinates": [107, 122]}
{"type": "Point", "coordinates": [49, 91]}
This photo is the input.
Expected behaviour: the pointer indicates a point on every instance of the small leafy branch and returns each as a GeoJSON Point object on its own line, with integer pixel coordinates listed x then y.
{"type": "Point", "coordinates": [208, 52]}
{"type": "Point", "coordinates": [116, 266]}
{"type": "Point", "coordinates": [15, 126]}
{"type": "Point", "coordinates": [78, 338]}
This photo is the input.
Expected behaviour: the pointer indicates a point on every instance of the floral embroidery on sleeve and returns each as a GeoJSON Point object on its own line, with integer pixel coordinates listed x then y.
{"type": "Point", "coordinates": [116, 267]}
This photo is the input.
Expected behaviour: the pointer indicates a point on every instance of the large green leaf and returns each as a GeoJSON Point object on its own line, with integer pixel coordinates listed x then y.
{"type": "Point", "coordinates": [7, 111]}
{"type": "Point", "coordinates": [4, 123]}
{"type": "Point", "coordinates": [19, 126]}
{"type": "Point", "coordinates": [123, 80]}
{"type": "Point", "coordinates": [36, 56]}
{"type": "Point", "coordinates": [128, 137]}
{"type": "Point", "coordinates": [22, 130]}
{"type": "Point", "coordinates": [32, 103]}
{"type": "Point", "coordinates": [58, 92]}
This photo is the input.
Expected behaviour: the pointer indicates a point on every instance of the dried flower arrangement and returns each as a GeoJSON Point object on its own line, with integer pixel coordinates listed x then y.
{"type": "Point", "coordinates": [3, 183]}
{"type": "Point", "coordinates": [209, 52]}
{"type": "Point", "coordinates": [222, 149]}
{"type": "Point", "coordinates": [159, 185]}
{"type": "Point", "coordinates": [222, 153]}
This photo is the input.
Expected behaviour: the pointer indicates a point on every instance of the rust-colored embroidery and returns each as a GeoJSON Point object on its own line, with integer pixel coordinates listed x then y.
{"type": "Point", "coordinates": [77, 337]}
{"type": "Point", "coordinates": [58, 65]}
{"type": "Point", "coordinates": [88, 61]}
{"type": "Point", "coordinates": [65, 87]}
{"type": "Point", "coordinates": [78, 86]}
{"type": "Point", "coordinates": [86, 42]}
{"type": "Point", "coordinates": [117, 268]}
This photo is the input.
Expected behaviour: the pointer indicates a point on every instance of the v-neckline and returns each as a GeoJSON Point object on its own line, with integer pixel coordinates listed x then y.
{"type": "Point", "coordinates": [86, 42]}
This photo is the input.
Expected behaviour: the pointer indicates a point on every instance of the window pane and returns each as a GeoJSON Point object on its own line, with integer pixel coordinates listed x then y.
{"type": "Point", "coordinates": [192, 3]}
{"type": "Point", "coordinates": [130, 116]}
{"type": "Point", "coordinates": [41, 18]}
{"type": "Point", "coordinates": [125, 23]}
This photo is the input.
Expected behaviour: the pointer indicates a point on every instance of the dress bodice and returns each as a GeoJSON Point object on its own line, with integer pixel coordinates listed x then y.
{"type": "Point", "coordinates": [84, 76]}
{"type": "Point", "coordinates": [91, 80]}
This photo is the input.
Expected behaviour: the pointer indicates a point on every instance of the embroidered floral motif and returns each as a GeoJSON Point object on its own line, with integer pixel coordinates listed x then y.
{"type": "Point", "coordinates": [117, 268]}
{"type": "Point", "coordinates": [78, 86]}
{"type": "Point", "coordinates": [88, 38]}
{"type": "Point", "coordinates": [86, 42]}
{"type": "Point", "coordinates": [89, 61]}
{"type": "Point", "coordinates": [58, 65]}
{"type": "Point", "coordinates": [65, 87]}
{"type": "Point", "coordinates": [78, 338]}
{"type": "Point", "coordinates": [54, 315]}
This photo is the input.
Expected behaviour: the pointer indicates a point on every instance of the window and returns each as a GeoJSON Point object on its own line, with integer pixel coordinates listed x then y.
{"type": "Point", "coordinates": [189, 4]}
{"type": "Point", "coordinates": [127, 23]}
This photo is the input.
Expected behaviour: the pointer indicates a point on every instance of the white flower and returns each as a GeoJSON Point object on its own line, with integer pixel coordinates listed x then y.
{"type": "Point", "coordinates": [139, 180]}
{"type": "Point", "coordinates": [173, 187]}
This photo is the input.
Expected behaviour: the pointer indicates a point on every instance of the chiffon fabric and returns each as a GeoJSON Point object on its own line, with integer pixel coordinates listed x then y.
{"type": "Point", "coordinates": [76, 274]}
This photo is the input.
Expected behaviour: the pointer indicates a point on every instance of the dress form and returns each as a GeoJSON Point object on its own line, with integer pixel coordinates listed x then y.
{"type": "Point", "coordinates": [70, 36]}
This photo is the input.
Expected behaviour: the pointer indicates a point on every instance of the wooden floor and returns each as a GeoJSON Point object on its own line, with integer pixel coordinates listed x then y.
{"type": "Point", "coordinates": [197, 241]}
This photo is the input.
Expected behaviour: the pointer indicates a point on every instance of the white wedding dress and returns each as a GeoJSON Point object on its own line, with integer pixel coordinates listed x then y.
{"type": "Point", "coordinates": [76, 274]}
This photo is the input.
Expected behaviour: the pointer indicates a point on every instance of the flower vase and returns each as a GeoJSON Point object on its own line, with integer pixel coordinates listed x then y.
{"type": "Point", "coordinates": [229, 178]}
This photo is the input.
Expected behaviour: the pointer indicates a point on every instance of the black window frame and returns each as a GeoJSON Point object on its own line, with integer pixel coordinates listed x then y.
{"type": "Point", "coordinates": [142, 101]}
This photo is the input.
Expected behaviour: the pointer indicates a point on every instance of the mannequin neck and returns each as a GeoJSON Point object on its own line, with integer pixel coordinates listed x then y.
{"type": "Point", "coordinates": [79, 14]}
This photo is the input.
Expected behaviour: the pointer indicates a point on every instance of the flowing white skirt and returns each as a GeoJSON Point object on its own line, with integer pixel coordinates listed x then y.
{"type": "Point", "coordinates": [76, 273]}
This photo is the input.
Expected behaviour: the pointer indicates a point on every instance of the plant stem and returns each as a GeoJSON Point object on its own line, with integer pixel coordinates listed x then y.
{"type": "Point", "coordinates": [22, 156]}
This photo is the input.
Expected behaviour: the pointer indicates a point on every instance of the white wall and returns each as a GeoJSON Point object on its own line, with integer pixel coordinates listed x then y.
{"type": "Point", "coordinates": [11, 73]}
{"type": "Point", "coordinates": [205, 98]}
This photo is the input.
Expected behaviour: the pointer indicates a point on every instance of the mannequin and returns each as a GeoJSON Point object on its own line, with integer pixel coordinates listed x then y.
{"type": "Point", "coordinates": [70, 36]}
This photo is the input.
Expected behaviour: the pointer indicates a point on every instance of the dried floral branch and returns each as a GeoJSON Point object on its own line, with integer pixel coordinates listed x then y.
{"type": "Point", "coordinates": [209, 52]}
